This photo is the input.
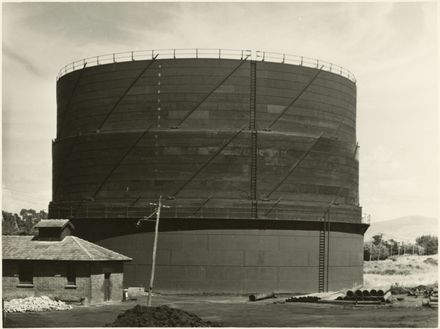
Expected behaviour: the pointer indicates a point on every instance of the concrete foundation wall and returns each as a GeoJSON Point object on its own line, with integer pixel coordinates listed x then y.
{"type": "Point", "coordinates": [239, 261]}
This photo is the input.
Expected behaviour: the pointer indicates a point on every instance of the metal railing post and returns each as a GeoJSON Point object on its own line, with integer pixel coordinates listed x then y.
{"type": "Point", "coordinates": [132, 57]}
{"type": "Point", "coordinates": [174, 53]}
{"type": "Point", "coordinates": [317, 63]}
{"type": "Point", "coordinates": [219, 54]}
{"type": "Point", "coordinates": [197, 53]}
{"type": "Point", "coordinates": [114, 61]}
{"type": "Point", "coordinates": [241, 54]}
{"type": "Point", "coordinates": [97, 60]}
{"type": "Point", "coordinates": [302, 59]}
{"type": "Point", "coordinates": [73, 65]}
{"type": "Point", "coordinates": [152, 53]}
{"type": "Point", "coordinates": [284, 58]}
{"type": "Point", "coordinates": [264, 56]}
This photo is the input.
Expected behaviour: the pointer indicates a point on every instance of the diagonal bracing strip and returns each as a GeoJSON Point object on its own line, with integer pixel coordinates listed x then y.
{"type": "Point", "coordinates": [208, 162]}
{"type": "Point", "coordinates": [63, 118]}
{"type": "Point", "coordinates": [201, 206]}
{"type": "Point", "coordinates": [273, 206]}
{"type": "Point", "coordinates": [211, 92]}
{"type": "Point", "coordinates": [295, 99]}
{"type": "Point", "coordinates": [295, 165]}
{"type": "Point", "coordinates": [120, 161]}
{"type": "Point", "coordinates": [126, 91]}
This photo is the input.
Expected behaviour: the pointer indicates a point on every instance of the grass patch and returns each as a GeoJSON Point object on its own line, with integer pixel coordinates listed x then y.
{"type": "Point", "coordinates": [407, 271]}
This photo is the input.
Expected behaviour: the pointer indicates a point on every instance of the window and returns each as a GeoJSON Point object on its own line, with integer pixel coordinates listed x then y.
{"type": "Point", "coordinates": [25, 274]}
{"type": "Point", "coordinates": [71, 274]}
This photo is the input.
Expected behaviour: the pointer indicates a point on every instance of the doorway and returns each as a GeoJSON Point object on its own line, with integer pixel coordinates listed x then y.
{"type": "Point", "coordinates": [107, 287]}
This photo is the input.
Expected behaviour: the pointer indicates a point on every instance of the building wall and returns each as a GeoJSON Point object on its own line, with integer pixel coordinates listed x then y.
{"type": "Point", "coordinates": [97, 281]}
{"type": "Point", "coordinates": [239, 260]}
{"type": "Point", "coordinates": [50, 280]}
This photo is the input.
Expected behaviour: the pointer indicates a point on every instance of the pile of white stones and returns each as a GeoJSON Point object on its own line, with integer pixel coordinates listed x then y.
{"type": "Point", "coordinates": [34, 304]}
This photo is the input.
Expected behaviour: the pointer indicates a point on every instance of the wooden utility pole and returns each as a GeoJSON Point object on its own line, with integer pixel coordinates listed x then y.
{"type": "Point", "coordinates": [156, 235]}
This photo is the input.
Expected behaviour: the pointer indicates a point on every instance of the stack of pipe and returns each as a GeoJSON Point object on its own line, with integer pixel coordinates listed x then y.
{"type": "Point", "coordinates": [433, 299]}
{"type": "Point", "coordinates": [303, 299]}
{"type": "Point", "coordinates": [366, 295]}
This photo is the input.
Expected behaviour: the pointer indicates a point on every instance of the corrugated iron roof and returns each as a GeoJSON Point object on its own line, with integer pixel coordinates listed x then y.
{"type": "Point", "coordinates": [71, 248]}
{"type": "Point", "coordinates": [53, 223]}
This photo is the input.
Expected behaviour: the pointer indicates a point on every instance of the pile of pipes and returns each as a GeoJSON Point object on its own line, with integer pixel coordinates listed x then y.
{"type": "Point", "coordinates": [433, 299]}
{"type": "Point", "coordinates": [303, 299]}
{"type": "Point", "coordinates": [421, 291]}
{"type": "Point", "coordinates": [373, 296]}
{"type": "Point", "coordinates": [34, 304]}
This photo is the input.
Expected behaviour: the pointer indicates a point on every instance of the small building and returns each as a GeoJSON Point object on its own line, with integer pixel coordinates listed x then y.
{"type": "Point", "coordinates": [57, 264]}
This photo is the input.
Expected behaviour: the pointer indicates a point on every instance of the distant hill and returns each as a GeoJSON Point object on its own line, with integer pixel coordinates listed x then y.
{"type": "Point", "coordinates": [403, 228]}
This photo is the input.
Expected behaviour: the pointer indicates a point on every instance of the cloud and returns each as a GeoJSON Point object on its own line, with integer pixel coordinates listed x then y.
{"type": "Point", "coordinates": [9, 54]}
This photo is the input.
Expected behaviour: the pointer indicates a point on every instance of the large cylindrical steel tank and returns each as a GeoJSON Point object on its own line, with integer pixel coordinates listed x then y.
{"type": "Point", "coordinates": [256, 159]}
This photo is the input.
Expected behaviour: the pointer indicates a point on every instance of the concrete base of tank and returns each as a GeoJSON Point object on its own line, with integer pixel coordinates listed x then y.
{"type": "Point", "coordinates": [231, 255]}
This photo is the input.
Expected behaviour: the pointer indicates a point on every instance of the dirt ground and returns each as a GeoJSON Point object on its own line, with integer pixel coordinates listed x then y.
{"type": "Point", "coordinates": [237, 311]}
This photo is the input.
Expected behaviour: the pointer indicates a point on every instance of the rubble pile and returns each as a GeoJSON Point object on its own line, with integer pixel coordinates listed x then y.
{"type": "Point", "coordinates": [34, 304]}
{"type": "Point", "coordinates": [161, 316]}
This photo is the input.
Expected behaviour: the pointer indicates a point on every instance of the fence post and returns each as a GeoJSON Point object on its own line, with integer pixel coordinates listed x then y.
{"type": "Point", "coordinates": [174, 53]}
{"type": "Point", "coordinates": [219, 54]}
{"type": "Point", "coordinates": [264, 56]}
{"type": "Point", "coordinates": [241, 54]}
{"type": "Point", "coordinates": [152, 54]}
{"type": "Point", "coordinates": [114, 61]}
{"type": "Point", "coordinates": [132, 57]}
{"type": "Point", "coordinates": [197, 53]}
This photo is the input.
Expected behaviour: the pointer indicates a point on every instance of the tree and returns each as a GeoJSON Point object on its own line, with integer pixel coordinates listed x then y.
{"type": "Point", "coordinates": [377, 239]}
{"type": "Point", "coordinates": [429, 243]}
{"type": "Point", "coordinates": [10, 223]}
{"type": "Point", "coordinates": [13, 224]}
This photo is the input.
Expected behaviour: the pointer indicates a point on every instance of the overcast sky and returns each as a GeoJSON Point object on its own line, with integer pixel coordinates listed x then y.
{"type": "Point", "coordinates": [390, 47]}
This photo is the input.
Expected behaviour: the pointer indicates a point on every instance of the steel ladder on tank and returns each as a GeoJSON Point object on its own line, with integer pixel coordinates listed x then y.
{"type": "Point", "coordinates": [323, 254]}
